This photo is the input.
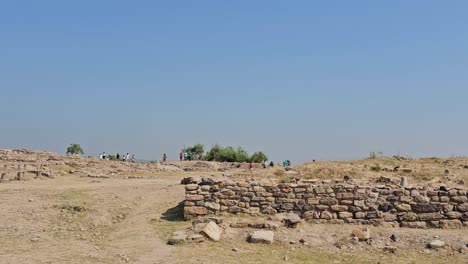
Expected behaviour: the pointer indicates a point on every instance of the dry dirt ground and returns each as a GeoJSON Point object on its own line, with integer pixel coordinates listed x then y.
{"type": "Point", "coordinates": [95, 211]}
{"type": "Point", "coordinates": [73, 219]}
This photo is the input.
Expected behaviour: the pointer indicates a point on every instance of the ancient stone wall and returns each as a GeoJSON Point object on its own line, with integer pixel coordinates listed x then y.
{"type": "Point", "coordinates": [328, 201]}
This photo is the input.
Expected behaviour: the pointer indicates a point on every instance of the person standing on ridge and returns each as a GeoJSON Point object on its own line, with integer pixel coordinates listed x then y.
{"type": "Point", "coordinates": [181, 155]}
{"type": "Point", "coordinates": [164, 158]}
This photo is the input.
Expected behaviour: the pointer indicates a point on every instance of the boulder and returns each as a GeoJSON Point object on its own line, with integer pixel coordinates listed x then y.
{"type": "Point", "coordinates": [291, 220]}
{"type": "Point", "coordinates": [195, 210]}
{"type": "Point", "coordinates": [436, 244]}
{"type": "Point", "coordinates": [177, 238]}
{"type": "Point", "coordinates": [191, 187]}
{"type": "Point", "coordinates": [213, 206]}
{"type": "Point", "coordinates": [264, 237]}
{"type": "Point", "coordinates": [212, 231]}
{"type": "Point", "coordinates": [451, 224]}
{"type": "Point", "coordinates": [362, 234]}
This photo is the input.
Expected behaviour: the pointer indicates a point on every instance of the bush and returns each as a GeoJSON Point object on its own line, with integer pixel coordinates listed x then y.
{"type": "Point", "coordinates": [197, 151]}
{"type": "Point", "coordinates": [75, 149]}
{"type": "Point", "coordinates": [258, 157]}
{"type": "Point", "coordinates": [376, 168]}
{"type": "Point", "coordinates": [230, 154]}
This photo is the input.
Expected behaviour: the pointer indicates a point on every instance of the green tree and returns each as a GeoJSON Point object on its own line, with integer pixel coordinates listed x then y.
{"type": "Point", "coordinates": [197, 150]}
{"type": "Point", "coordinates": [258, 157]}
{"type": "Point", "coordinates": [230, 154]}
{"type": "Point", "coordinates": [75, 149]}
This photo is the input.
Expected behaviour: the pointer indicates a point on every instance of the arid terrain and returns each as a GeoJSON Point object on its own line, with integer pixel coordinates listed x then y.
{"type": "Point", "coordinates": [83, 210]}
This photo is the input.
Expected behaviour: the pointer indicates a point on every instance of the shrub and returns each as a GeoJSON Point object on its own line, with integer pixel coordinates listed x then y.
{"type": "Point", "coordinates": [258, 157]}
{"type": "Point", "coordinates": [75, 149]}
{"type": "Point", "coordinates": [376, 168]}
{"type": "Point", "coordinates": [230, 154]}
{"type": "Point", "coordinates": [197, 151]}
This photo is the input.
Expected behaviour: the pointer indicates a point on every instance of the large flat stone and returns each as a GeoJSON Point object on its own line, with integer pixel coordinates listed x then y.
{"type": "Point", "coordinates": [264, 237]}
{"type": "Point", "coordinates": [212, 231]}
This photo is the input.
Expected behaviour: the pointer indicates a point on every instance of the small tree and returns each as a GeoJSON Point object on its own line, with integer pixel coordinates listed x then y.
{"type": "Point", "coordinates": [197, 150]}
{"type": "Point", "coordinates": [75, 149]}
{"type": "Point", "coordinates": [258, 157]}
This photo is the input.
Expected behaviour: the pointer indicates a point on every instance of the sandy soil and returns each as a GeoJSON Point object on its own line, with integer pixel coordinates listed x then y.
{"type": "Point", "coordinates": [82, 220]}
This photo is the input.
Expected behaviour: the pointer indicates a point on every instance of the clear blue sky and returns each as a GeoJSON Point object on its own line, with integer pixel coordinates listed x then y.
{"type": "Point", "coordinates": [299, 80]}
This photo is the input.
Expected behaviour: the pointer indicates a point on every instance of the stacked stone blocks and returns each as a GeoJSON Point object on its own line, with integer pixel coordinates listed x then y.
{"type": "Point", "coordinates": [327, 201]}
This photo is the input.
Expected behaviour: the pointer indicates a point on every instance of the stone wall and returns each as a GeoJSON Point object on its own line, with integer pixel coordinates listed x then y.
{"type": "Point", "coordinates": [327, 201]}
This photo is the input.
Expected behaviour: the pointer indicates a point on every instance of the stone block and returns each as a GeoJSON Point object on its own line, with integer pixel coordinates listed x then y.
{"type": "Point", "coordinates": [338, 208]}
{"type": "Point", "coordinates": [195, 210]}
{"type": "Point", "coordinates": [451, 224]}
{"type": "Point", "coordinates": [413, 224]}
{"type": "Point", "coordinates": [194, 197]}
{"type": "Point", "coordinates": [328, 201]}
{"type": "Point", "coordinates": [424, 208]}
{"type": "Point", "coordinates": [212, 231]}
{"type": "Point", "coordinates": [459, 199]}
{"type": "Point", "coordinates": [462, 207]}
{"type": "Point", "coordinates": [263, 237]}
{"type": "Point", "coordinates": [430, 216]}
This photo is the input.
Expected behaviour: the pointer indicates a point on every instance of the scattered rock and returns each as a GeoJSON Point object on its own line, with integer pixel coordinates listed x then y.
{"type": "Point", "coordinates": [178, 238]}
{"type": "Point", "coordinates": [362, 234]}
{"type": "Point", "coordinates": [35, 239]}
{"type": "Point", "coordinates": [291, 220]}
{"type": "Point", "coordinates": [404, 181]}
{"type": "Point", "coordinates": [264, 237]}
{"type": "Point", "coordinates": [390, 249]}
{"type": "Point", "coordinates": [235, 249]}
{"type": "Point", "coordinates": [394, 238]}
{"type": "Point", "coordinates": [196, 238]}
{"type": "Point", "coordinates": [436, 244]}
{"type": "Point", "coordinates": [31, 200]}
{"type": "Point", "coordinates": [212, 231]}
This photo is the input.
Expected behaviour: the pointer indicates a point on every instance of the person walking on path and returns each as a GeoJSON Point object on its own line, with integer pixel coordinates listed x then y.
{"type": "Point", "coordinates": [251, 166]}
{"type": "Point", "coordinates": [164, 158]}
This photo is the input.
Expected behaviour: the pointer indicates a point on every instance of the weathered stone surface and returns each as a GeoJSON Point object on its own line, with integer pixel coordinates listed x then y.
{"type": "Point", "coordinates": [191, 187]}
{"type": "Point", "coordinates": [413, 224]}
{"type": "Point", "coordinates": [264, 237]}
{"type": "Point", "coordinates": [194, 197]}
{"type": "Point", "coordinates": [212, 231]}
{"type": "Point", "coordinates": [436, 244]}
{"type": "Point", "coordinates": [177, 238]}
{"type": "Point", "coordinates": [326, 215]}
{"type": "Point", "coordinates": [328, 201]}
{"type": "Point", "coordinates": [338, 208]}
{"type": "Point", "coordinates": [333, 201]}
{"type": "Point", "coordinates": [462, 207]}
{"type": "Point", "coordinates": [459, 199]}
{"type": "Point", "coordinates": [313, 201]}
{"type": "Point", "coordinates": [344, 215]}
{"type": "Point", "coordinates": [425, 208]}
{"type": "Point", "coordinates": [311, 215]}
{"type": "Point", "coordinates": [291, 220]}
{"type": "Point", "coordinates": [195, 210]}
{"type": "Point", "coordinates": [451, 224]}
{"type": "Point", "coordinates": [362, 234]}
{"type": "Point", "coordinates": [235, 210]}
{"type": "Point", "coordinates": [430, 216]}
{"type": "Point", "coordinates": [213, 206]}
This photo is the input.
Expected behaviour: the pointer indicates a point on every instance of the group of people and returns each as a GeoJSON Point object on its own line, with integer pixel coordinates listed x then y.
{"type": "Point", "coordinates": [185, 156]}
{"type": "Point", "coordinates": [104, 156]}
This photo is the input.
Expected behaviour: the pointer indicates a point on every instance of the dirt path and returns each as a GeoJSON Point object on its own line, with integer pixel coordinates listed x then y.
{"type": "Point", "coordinates": [82, 220]}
